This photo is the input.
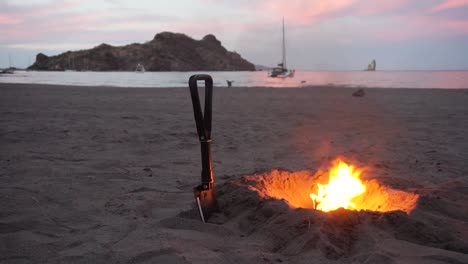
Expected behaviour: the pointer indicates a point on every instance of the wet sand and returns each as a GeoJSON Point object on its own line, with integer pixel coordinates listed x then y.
{"type": "Point", "coordinates": [105, 175]}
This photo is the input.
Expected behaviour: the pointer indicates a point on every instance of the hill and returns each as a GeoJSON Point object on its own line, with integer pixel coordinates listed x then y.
{"type": "Point", "coordinates": [167, 51]}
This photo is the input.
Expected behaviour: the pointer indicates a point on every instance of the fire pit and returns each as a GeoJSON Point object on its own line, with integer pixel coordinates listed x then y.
{"type": "Point", "coordinates": [340, 186]}
{"type": "Point", "coordinates": [333, 213]}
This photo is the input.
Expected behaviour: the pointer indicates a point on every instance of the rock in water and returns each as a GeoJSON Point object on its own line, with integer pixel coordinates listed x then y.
{"type": "Point", "coordinates": [166, 52]}
{"type": "Point", "coordinates": [359, 93]}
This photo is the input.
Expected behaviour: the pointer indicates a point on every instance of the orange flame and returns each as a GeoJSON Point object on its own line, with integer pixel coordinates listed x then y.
{"type": "Point", "coordinates": [344, 185]}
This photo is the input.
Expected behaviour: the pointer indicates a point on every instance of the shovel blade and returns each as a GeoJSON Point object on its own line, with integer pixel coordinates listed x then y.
{"type": "Point", "coordinates": [206, 202]}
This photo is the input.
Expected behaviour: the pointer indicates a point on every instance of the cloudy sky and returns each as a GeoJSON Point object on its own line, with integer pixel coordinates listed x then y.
{"type": "Point", "coordinates": [321, 34]}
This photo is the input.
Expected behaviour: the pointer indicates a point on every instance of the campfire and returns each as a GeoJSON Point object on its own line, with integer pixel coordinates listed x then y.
{"type": "Point", "coordinates": [344, 185]}
{"type": "Point", "coordinates": [339, 186]}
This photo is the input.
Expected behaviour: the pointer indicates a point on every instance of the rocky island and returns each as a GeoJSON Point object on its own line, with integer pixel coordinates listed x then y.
{"type": "Point", "coordinates": [167, 51]}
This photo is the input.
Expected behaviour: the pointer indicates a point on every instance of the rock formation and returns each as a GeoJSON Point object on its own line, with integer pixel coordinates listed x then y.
{"type": "Point", "coordinates": [166, 52]}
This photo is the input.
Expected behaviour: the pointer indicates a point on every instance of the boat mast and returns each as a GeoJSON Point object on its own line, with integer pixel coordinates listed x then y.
{"type": "Point", "coordinates": [284, 49]}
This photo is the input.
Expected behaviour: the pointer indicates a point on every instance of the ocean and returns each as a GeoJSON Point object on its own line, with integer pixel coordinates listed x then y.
{"type": "Point", "coordinates": [377, 79]}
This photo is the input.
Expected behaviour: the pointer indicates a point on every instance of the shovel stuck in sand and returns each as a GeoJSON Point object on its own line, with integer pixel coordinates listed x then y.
{"type": "Point", "coordinates": [204, 193]}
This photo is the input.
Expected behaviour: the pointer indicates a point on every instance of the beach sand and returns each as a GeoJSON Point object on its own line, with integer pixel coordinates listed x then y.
{"type": "Point", "coordinates": [105, 175]}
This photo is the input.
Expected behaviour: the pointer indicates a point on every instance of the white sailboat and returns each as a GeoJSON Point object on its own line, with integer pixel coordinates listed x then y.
{"type": "Point", "coordinates": [282, 71]}
{"type": "Point", "coordinates": [140, 68]}
{"type": "Point", "coordinates": [372, 66]}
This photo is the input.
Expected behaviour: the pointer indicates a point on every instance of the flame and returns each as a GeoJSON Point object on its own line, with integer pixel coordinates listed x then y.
{"type": "Point", "coordinates": [344, 185]}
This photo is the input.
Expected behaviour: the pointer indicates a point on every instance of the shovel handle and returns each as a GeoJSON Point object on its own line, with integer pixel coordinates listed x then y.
{"type": "Point", "coordinates": [203, 122]}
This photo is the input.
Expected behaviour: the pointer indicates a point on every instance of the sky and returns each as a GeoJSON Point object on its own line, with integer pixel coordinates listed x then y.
{"type": "Point", "coordinates": [320, 34]}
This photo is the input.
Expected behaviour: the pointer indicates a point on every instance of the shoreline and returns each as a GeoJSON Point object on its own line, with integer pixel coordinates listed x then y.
{"type": "Point", "coordinates": [26, 85]}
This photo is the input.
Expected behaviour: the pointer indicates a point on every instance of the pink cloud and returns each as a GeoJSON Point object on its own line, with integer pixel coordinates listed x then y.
{"type": "Point", "coordinates": [448, 4]}
{"type": "Point", "coordinates": [398, 26]}
{"type": "Point", "coordinates": [33, 27]}
{"type": "Point", "coordinates": [378, 7]}
{"type": "Point", "coordinates": [68, 22]}
{"type": "Point", "coordinates": [458, 25]}
{"type": "Point", "coordinates": [9, 20]}
{"type": "Point", "coordinates": [62, 21]}
{"type": "Point", "coordinates": [24, 22]}
{"type": "Point", "coordinates": [39, 10]}
{"type": "Point", "coordinates": [304, 12]}
{"type": "Point", "coordinates": [420, 26]}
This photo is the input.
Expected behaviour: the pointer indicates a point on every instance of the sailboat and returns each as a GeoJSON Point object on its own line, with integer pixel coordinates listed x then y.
{"type": "Point", "coordinates": [372, 66]}
{"type": "Point", "coordinates": [140, 68]}
{"type": "Point", "coordinates": [10, 69]}
{"type": "Point", "coordinates": [281, 71]}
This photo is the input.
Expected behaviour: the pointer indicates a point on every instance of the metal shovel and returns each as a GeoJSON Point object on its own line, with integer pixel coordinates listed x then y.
{"type": "Point", "coordinates": [204, 193]}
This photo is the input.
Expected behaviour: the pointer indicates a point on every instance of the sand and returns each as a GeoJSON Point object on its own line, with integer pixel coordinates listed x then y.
{"type": "Point", "coordinates": [105, 175]}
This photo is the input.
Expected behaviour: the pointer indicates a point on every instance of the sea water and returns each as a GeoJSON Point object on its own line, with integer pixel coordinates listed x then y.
{"type": "Point", "coordinates": [377, 79]}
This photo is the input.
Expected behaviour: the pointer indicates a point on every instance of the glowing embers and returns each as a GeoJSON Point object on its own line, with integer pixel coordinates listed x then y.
{"type": "Point", "coordinates": [340, 187]}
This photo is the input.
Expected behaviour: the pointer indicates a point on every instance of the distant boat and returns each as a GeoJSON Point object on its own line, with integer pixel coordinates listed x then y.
{"type": "Point", "coordinates": [372, 66]}
{"type": "Point", "coordinates": [281, 71]}
{"type": "Point", "coordinates": [140, 68]}
{"type": "Point", "coordinates": [10, 69]}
